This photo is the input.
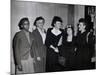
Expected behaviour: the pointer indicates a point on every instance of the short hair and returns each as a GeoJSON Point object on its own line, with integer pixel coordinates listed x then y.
{"type": "Point", "coordinates": [55, 19]}
{"type": "Point", "coordinates": [83, 21]}
{"type": "Point", "coordinates": [38, 18]}
{"type": "Point", "coordinates": [21, 22]}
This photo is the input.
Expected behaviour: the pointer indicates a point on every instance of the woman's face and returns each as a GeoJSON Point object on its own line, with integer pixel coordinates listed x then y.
{"type": "Point", "coordinates": [26, 25]}
{"type": "Point", "coordinates": [69, 31]}
{"type": "Point", "coordinates": [58, 24]}
{"type": "Point", "coordinates": [81, 26]}
{"type": "Point", "coordinates": [40, 23]}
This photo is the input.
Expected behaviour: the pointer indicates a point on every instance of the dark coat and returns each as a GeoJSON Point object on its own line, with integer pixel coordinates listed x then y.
{"type": "Point", "coordinates": [39, 50]}
{"type": "Point", "coordinates": [82, 52]}
{"type": "Point", "coordinates": [21, 47]}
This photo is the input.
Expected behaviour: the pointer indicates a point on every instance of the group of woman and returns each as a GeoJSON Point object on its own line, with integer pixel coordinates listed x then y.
{"type": "Point", "coordinates": [55, 50]}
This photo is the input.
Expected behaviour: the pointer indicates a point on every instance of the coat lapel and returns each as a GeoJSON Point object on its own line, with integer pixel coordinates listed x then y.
{"type": "Point", "coordinates": [30, 36]}
{"type": "Point", "coordinates": [39, 36]}
{"type": "Point", "coordinates": [26, 39]}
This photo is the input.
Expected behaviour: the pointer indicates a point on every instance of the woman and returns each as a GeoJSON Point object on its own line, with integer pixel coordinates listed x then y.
{"type": "Point", "coordinates": [38, 46]}
{"type": "Point", "coordinates": [82, 52]}
{"type": "Point", "coordinates": [52, 42]}
{"type": "Point", "coordinates": [21, 47]}
{"type": "Point", "coordinates": [68, 48]}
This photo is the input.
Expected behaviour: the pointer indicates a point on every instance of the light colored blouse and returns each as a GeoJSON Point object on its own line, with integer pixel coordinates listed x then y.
{"type": "Point", "coordinates": [43, 34]}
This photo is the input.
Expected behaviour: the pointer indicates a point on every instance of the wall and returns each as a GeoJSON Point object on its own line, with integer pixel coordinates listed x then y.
{"type": "Point", "coordinates": [33, 10]}
{"type": "Point", "coordinates": [78, 13]}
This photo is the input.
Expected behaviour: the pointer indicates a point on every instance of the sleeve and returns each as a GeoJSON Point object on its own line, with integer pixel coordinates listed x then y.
{"type": "Point", "coordinates": [48, 38]}
{"type": "Point", "coordinates": [16, 49]}
{"type": "Point", "coordinates": [64, 38]}
{"type": "Point", "coordinates": [75, 38]}
{"type": "Point", "coordinates": [34, 46]}
{"type": "Point", "coordinates": [61, 47]}
{"type": "Point", "coordinates": [91, 44]}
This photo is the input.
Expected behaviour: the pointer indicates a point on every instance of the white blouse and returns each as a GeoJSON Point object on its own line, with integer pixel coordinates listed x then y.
{"type": "Point", "coordinates": [43, 35]}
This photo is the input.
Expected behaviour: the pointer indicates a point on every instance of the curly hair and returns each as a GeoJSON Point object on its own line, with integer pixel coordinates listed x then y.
{"type": "Point", "coordinates": [55, 19]}
{"type": "Point", "coordinates": [21, 22]}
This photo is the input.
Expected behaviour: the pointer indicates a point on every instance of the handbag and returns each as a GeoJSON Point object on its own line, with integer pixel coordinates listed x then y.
{"type": "Point", "coordinates": [62, 61]}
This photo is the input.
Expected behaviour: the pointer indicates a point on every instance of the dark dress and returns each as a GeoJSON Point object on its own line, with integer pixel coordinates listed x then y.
{"type": "Point", "coordinates": [68, 51]}
{"type": "Point", "coordinates": [52, 57]}
{"type": "Point", "coordinates": [82, 53]}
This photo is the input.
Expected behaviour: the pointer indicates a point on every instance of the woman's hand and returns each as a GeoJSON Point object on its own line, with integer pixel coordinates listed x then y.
{"type": "Point", "coordinates": [93, 59]}
{"type": "Point", "coordinates": [38, 58]}
{"type": "Point", "coordinates": [19, 67]}
{"type": "Point", "coordinates": [56, 50]}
